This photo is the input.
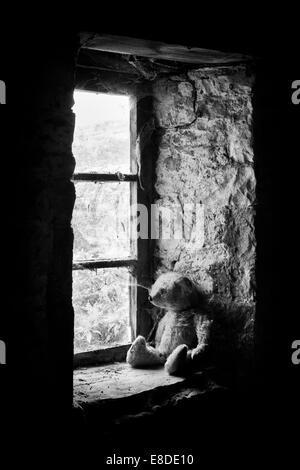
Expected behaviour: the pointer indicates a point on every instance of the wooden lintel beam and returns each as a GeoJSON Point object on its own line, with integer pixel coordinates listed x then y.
{"type": "Point", "coordinates": [158, 50]}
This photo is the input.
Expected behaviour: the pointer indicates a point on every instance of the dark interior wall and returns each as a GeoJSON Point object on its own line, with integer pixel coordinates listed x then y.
{"type": "Point", "coordinates": [276, 121]}
{"type": "Point", "coordinates": [41, 124]}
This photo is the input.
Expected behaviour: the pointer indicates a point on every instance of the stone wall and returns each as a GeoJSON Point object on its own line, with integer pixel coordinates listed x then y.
{"type": "Point", "coordinates": [205, 157]}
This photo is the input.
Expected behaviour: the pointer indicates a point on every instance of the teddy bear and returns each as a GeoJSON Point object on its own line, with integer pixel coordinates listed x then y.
{"type": "Point", "coordinates": [183, 334]}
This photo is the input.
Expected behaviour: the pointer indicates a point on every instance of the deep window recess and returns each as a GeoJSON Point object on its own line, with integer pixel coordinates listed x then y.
{"type": "Point", "coordinates": [105, 254]}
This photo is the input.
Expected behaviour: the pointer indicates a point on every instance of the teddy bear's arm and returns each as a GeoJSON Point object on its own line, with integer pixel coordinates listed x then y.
{"type": "Point", "coordinates": [203, 330]}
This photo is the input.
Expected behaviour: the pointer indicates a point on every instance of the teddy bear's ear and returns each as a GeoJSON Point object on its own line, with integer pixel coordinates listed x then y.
{"type": "Point", "coordinates": [187, 282]}
{"type": "Point", "coordinates": [185, 285]}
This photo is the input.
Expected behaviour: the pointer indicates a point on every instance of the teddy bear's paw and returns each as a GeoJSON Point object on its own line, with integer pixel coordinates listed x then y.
{"type": "Point", "coordinates": [141, 354]}
{"type": "Point", "coordinates": [177, 360]}
{"type": "Point", "coordinates": [136, 351]}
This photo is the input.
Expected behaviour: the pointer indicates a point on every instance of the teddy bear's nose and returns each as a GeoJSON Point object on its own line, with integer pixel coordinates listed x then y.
{"type": "Point", "coordinates": [150, 297]}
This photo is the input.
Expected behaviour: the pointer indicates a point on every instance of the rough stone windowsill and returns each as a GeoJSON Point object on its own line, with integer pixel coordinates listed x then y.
{"type": "Point", "coordinates": [118, 380]}
{"type": "Point", "coordinates": [117, 392]}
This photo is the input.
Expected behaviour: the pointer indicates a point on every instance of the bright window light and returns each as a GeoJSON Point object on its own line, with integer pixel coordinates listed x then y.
{"type": "Point", "coordinates": [102, 132]}
{"type": "Point", "coordinates": [101, 221]}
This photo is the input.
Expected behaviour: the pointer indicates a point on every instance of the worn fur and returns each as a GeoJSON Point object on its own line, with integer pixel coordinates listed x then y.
{"type": "Point", "coordinates": [183, 334]}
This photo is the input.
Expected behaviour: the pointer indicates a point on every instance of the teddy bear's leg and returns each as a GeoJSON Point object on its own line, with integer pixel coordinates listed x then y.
{"type": "Point", "coordinates": [178, 361]}
{"type": "Point", "coordinates": [199, 352]}
{"type": "Point", "coordinates": [200, 357]}
{"type": "Point", "coordinates": [140, 354]}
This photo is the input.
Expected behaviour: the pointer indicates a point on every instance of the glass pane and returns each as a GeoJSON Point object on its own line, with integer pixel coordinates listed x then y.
{"type": "Point", "coordinates": [101, 305]}
{"type": "Point", "coordinates": [101, 221]}
{"type": "Point", "coordinates": [102, 133]}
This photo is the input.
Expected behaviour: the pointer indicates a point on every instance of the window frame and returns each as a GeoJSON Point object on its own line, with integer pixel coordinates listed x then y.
{"type": "Point", "coordinates": [138, 264]}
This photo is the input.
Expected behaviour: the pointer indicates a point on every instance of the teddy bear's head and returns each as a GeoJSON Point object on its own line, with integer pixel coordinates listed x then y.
{"type": "Point", "coordinates": [174, 291]}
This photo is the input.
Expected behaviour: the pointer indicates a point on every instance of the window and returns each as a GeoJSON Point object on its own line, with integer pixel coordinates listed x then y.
{"type": "Point", "coordinates": [105, 254]}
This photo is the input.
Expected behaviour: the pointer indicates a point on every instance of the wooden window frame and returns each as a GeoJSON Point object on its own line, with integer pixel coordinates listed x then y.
{"type": "Point", "coordinates": [137, 264]}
